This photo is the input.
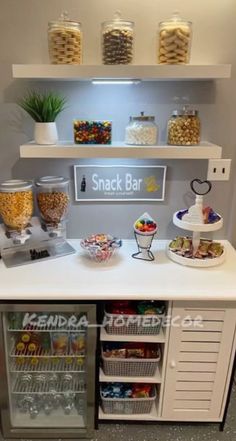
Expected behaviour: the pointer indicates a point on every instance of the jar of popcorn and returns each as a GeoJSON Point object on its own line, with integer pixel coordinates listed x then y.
{"type": "Point", "coordinates": [184, 127]}
{"type": "Point", "coordinates": [65, 41]}
{"type": "Point", "coordinates": [175, 37]}
{"type": "Point", "coordinates": [141, 130]}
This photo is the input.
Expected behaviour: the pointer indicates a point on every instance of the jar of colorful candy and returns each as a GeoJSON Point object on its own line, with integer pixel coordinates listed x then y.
{"type": "Point", "coordinates": [92, 132]}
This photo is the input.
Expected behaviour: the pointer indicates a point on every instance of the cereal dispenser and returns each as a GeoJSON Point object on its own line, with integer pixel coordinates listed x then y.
{"type": "Point", "coordinates": [16, 208]}
{"type": "Point", "coordinates": [25, 239]}
{"type": "Point", "coordinates": [53, 203]}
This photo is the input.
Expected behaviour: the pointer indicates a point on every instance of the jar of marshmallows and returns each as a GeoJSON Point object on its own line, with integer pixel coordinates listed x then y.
{"type": "Point", "coordinates": [141, 130]}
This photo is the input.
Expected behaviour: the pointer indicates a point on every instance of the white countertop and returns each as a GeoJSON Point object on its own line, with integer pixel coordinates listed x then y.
{"type": "Point", "coordinates": [76, 277]}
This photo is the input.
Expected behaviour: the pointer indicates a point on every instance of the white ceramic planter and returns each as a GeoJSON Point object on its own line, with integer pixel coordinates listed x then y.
{"type": "Point", "coordinates": [45, 133]}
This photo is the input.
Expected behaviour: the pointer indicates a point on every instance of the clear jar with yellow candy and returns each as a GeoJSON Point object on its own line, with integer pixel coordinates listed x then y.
{"type": "Point", "coordinates": [184, 127]}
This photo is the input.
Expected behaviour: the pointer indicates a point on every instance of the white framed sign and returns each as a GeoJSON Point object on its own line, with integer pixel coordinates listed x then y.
{"type": "Point", "coordinates": [119, 183]}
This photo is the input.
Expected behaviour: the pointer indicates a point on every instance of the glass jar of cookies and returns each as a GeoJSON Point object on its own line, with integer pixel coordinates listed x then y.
{"type": "Point", "coordinates": [184, 127]}
{"type": "Point", "coordinates": [175, 37]}
{"type": "Point", "coordinates": [65, 41]}
{"type": "Point", "coordinates": [117, 41]}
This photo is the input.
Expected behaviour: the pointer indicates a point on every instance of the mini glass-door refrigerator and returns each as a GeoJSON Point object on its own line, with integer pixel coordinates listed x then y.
{"type": "Point", "coordinates": [47, 380]}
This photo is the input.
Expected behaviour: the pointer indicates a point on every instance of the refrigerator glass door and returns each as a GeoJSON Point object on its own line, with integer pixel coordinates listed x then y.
{"type": "Point", "coordinates": [50, 362]}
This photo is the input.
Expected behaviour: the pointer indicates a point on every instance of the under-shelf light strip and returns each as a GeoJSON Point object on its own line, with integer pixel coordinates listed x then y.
{"type": "Point", "coordinates": [112, 82]}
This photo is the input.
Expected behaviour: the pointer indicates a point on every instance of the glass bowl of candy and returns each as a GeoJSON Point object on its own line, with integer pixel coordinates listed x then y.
{"type": "Point", "coordinates": [101, 247]}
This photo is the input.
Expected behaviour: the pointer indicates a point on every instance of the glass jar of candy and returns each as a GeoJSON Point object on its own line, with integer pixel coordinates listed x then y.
{"type": "Point", "coordinates": [117, 41]}
{"type": "Point", "coordinates": [141, 130]}
{"type": "Point", "coordinates": [175, 37]}
{"type": "Point", "coordinates": [184, 127]}
{"type": "Point", "coordinates": [65, 41]}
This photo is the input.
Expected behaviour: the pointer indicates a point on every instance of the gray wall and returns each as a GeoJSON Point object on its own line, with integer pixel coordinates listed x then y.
{"type": "Point", "coordinates": [23, 33]}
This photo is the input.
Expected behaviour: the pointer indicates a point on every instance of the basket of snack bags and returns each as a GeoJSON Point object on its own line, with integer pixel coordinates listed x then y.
{"type": "Point", "coordinates": [130, 359]}
{"type": "Point", "coordinates": [135, 318]}
{"type": "Point", "coordinates": [126, 398]}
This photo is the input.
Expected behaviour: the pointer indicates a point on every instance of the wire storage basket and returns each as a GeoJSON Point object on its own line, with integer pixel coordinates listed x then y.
{"type": "Point", "coordinates": [128, 405]}
{"type": "Point", "coordinates": [122, 324]}
{"type": "Point", "coordinates": [130, 367]}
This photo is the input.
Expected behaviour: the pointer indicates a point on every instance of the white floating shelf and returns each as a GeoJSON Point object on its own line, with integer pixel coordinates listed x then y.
{"type": "Point", "coordinates": [107, 378]}
{"type": "Point", "coordinates": [141, 72]}
{"type": "Point", "coordinates": [152, 416]}
{"type": "Point", "coordinates": [159, 338]}
{"type": "Point", "coordinates": [204, 228]}
{"type": "Point", "coordinates": [205, 150]}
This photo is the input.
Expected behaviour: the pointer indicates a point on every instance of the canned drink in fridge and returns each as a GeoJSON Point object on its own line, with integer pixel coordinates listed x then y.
{"type": "Point", "coordinates": [24, 381]}
{"type": "Point", "coordinates": [48, 404]}
{"type": "Point", "coordinates": [67, 382]}
{"type": "Point", "coordinates": [59, 343]}
{"type": "Point", "coordinates": [52, 381]}
{"type": "Point", "coordinates": [77, 343]}
{"type": "Point", "coordinates": [68, 402]}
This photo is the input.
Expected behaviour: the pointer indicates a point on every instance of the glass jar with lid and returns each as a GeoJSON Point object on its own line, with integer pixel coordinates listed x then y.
{"type": "Point", "coordinates": [53, 199]}
{"type": "Point", "coordinates": [65, 41]}
{"type": "Point", "coordinates": [184, 127]}
{"type": "Point", "coordinates": [16, 204]}
{"type": "Point", "coordinates": [141, 130]}
{"type": "Point", "coordinates": [117, 41]}
{"type": "Point", "coordinates": [175, 37]}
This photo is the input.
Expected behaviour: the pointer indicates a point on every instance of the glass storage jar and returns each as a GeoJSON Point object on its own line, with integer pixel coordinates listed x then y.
{"type": "Point", "coordinates": [53, 199]}
{"type": "Point", "coordinates": [184, 127]}
{"type": "Point", "coordinates": [16, 204]}
{"type": "Point", "coordinates": [175, 37]}
{"type": "Point", "coordinates": [65, 41]}
{"type": "Point", "coordinates": [117, 41]}
{"type": "Point", "coordinates": [141, 130]}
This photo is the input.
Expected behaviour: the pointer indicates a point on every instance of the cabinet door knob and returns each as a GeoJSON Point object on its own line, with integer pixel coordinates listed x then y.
{"type": "Point", "coordinates": [173, 364]}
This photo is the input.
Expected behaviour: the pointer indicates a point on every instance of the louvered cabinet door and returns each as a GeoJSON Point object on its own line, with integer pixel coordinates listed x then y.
{"type": "Point", "coordinates": [198, 361]}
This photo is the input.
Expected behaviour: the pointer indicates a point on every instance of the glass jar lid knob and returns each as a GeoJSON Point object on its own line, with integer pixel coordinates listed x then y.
{"type": "Point", "coordinates": [117, 15]}
{"type": "Point", "coordinates": [176, 16]}
{"type": "Point", "coordinates": [64, 16]}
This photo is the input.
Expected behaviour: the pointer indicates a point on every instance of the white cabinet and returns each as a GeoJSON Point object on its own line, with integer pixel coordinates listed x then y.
{"type": "Point", "coordinates": [199, 356]}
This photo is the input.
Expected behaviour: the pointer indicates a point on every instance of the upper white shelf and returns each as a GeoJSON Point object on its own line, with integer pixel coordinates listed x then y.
{"type": "Point", "coordinates": [205, 150]}
{"type": "Point", "coordinates": [142, 72]}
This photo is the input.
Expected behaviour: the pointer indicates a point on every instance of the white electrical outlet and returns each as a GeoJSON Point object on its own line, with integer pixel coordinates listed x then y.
{"type": "Point", "coordinates": [218, 169]}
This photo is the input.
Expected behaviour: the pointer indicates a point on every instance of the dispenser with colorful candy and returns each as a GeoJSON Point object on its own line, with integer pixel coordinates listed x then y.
{"type": "Point", "coordinates": [145, 229]}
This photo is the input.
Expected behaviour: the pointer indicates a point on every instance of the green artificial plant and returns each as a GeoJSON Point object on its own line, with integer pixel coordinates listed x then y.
{"type": "Point", "coordinates": [42, 107]}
